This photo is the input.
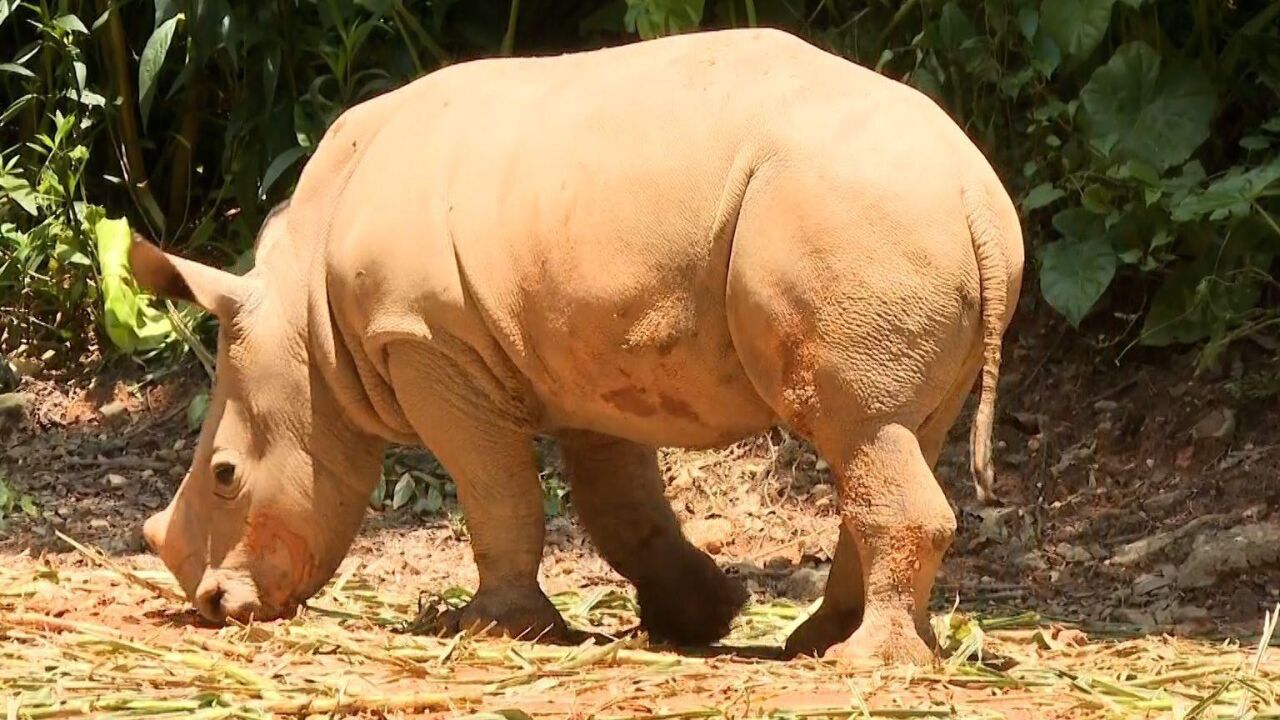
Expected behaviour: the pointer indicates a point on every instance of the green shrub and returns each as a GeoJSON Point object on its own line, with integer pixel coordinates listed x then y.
{"type": "Point", "coordinates": [1139, 137]}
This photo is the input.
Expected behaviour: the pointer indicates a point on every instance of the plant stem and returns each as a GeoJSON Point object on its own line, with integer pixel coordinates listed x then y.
{"type": "Point", "coordinates": [134, 168]}
{"type": "Point", "coordinates": [509, 40]}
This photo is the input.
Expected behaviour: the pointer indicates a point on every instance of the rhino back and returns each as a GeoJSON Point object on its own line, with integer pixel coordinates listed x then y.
{"type": "Point", "coordinates": [577, 213]}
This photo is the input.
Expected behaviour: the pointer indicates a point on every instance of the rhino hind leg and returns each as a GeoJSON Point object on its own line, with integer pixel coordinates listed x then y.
{"type": "Point", "coordinates": [618, 493]}
{"type": "Point", "coordinates": [843, 602]}
{"type": "Point", "coordinates": [901, 525]}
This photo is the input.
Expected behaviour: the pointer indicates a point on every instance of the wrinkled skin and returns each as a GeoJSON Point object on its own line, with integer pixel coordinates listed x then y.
{"type": "Point", "coordinates": [680, 242]}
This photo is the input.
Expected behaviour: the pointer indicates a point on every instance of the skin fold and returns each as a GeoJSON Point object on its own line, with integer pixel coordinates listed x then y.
{"type": "Point", "coordinates": [680, 242]}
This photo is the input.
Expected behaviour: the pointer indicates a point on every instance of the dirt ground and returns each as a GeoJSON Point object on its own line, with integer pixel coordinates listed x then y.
{"type": "Point", "coordinates": [1139, 502]}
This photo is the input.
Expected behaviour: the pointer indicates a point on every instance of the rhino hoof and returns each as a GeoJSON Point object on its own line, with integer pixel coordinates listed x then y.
{"type": "Point", "coordinates": [527, 616]}
{"type": "Point", "coordinates": [693, 603]}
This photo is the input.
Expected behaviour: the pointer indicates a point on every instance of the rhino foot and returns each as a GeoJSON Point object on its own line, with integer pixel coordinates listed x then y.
{"type": "Point", "coordinates": [526, 614]}
{"type": "Point", "coordinates": [691, 603]}
{"type": "Point", "coordinates": [882, 641]}
{"type": "Point", "coordinates": [821, 631]}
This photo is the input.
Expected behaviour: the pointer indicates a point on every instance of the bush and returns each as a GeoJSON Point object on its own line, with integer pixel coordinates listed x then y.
{"type": "Point", "coordinates": [1138, 136]}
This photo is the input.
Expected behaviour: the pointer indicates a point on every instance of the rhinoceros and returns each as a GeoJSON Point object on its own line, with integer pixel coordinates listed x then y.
{"type": "Point", "coordinates": [678, 242]}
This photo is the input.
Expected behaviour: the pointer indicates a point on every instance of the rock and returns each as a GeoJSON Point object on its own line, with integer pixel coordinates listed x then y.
{"type": "Point", "coordinates": [113, 411]}
{"type": "Point", "coordinates": [99, 524]}
{"type": "Point", "coordinates": [710, 534]}
{"type": "Point", "coordinates": [8, 376]}
{"type": "Point", "coordinates": [1164, 502]}
{"type": "Point", "coordinates": [116, 481]}
{"type": "Point", "coordinates": [1230, 551]}
{"type": "Point", "coordinates": [1072, 553]}
{"type": "Point", "coordinates": [821, 491]}
{"type": "Point", "coordinates": [1148, 583]}
{"type": "Point", "coordinates": [1032, 561]}
{"type": "Point", "coordinates": [1106, 406]}
{"type": "Point", "coordinates": [1135, 616]}
{"type": "Point", "coordinates": [1190, 614]}
{"type": "Point", "coordinates": [14, 409]}
{"type": "Point", "coordinates": [807, 584]}
{"type": "Point", "coordinates": [777, 563]}
{"type": "Point", "coordinates": [1140, 550]}
{"type": "Point", "coordinates": [26, 367]}
{"type": "Point", "coordinates": [1218, 425]}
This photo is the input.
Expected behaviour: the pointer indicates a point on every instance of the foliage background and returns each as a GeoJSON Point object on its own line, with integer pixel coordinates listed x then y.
{"type": "Point", "coordinates": [1139, 136]}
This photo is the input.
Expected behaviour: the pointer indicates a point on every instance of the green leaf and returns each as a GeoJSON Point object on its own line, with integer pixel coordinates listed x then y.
{"type": "Point", "coordinates": [1074, 274]}
{"type": "Point", "coordinates": [1255, 142]}
{"type": "Point", "coordinates": [1040, 196]}
{"type": "Point", "coordinates": [131, 322]}
{"type": "Point", "coordinates": [152, 59]}
{"type": "Point", "coordinates": [278, 166]}
{"type": "Point", "coordinates": [16, 69]}
{"type": "Point", "coordinates": [197, 408]}
{"type": "Point", "coordinates": [1076, 26]}
{"type": "Point", "coordinates": [1137, 107]}
{"type": "Point", "coordinates": [71, 24]}
{"type": "Point", "coordinates": [403, 492]}
{"type": "Point", "coordinates": [1028, 22]}
{"type": "Point", "coordinates": [431, 502]}
{"type": "Point", "coordinates": [1195, 302]}
{"type": "Point", "coordinates": [1233, 194]}
{"type": "Point", "coordinates": [1045, 54]}
{"type": "Point", "coordinates": [19, 191]}
{"type": "Point", "coordinates": [1079, 225]}
{"type": "Point", "coordinates": [655, 18]}
{"type": "Point", "coordinates": [954, 27]}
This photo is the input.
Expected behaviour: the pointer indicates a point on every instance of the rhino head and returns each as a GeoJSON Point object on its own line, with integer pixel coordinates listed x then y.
{"type": "Point", "coordinates": [281, 475]}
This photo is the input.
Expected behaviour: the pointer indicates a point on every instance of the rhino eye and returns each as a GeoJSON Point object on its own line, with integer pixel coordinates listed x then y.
{"type": "Point", "coordinates": [224, 478]}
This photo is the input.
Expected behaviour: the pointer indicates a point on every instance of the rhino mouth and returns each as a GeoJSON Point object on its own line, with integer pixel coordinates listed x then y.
{"type": "Point", "coordinates": [232, 596]}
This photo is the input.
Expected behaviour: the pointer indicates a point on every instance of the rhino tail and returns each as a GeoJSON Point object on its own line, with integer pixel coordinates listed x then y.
{"type": "Point", "coordinates": [993, 279]}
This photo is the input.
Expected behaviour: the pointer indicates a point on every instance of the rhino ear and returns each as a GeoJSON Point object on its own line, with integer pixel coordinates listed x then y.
{"type": "Point", "coordinates": [169, 276]}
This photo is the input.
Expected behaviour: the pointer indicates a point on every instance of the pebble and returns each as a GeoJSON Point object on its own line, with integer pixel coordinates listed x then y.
{"type": "Point", "coordinates": [806, 584]}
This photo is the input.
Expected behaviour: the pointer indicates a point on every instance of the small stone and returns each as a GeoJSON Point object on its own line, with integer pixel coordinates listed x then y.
{"type": "Point", "coordinates": [821, 491]}
{"type": "Point", "coordinates": [1072, 553]}
{"type": "Point", "coordinates": [1150, 582]}
{"type": "Point", "coordinates": [821, 465]}
{"type": "Point", "coordinates": [777, 563]}
{"type": "Point", "coordinates": [113, 411]}
{"type": "Point", "coordinates": [709, 534]}
{"type": "Point", "coordinates": [806, 584]}
{"type": "Point", "coordinates": [179, 444]}
{"type": "Point", "coordinates": [1166, 501]}
{"type": "Point", "coordinates": [1219, 425]}
{"type": "Point", "coordinates": [26, 367]}
{"type": "Point", "coordinates": [1190, 613]}
{"type": "Point", "coordinates": [1136, 616]}
{"type": "Point", "coordinates": [116, 481]}
{"type": "Point", "coordinates": [99, 524]}
{"type": "Point", "coordinates": [1105, 406]}
{"type": "Point", "coordinates": [14, 408]}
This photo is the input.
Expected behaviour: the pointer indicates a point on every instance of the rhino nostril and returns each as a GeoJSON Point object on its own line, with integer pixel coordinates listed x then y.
{"type": "Point", "coordinates": [209, 601]}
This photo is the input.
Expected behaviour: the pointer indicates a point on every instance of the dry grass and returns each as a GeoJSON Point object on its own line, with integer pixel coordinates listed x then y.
{"type": "Point", "coordinates": [107, 642]}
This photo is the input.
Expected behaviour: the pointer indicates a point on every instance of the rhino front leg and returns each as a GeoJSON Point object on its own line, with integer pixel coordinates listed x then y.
{"type": "Point", "coordinates": [494, 469]}
{"type": "Point", "coordinates": [618, 494]}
